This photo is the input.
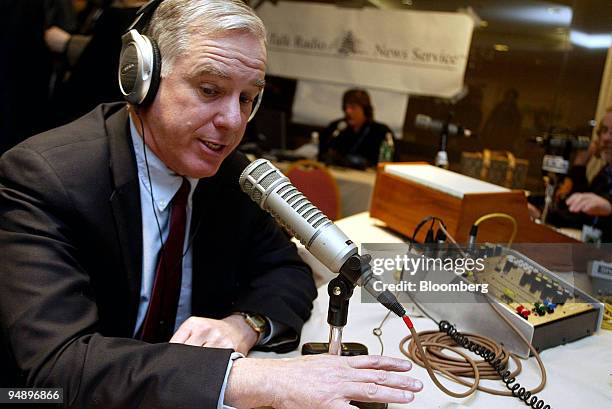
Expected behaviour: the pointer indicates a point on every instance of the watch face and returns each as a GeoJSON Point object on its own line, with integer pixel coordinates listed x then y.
{"type": "Point", "coordinates": [257, 322]}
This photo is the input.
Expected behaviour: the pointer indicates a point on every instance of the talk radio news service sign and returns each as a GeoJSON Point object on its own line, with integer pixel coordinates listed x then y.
{"type": "Point", "coordinates": [403, 51]}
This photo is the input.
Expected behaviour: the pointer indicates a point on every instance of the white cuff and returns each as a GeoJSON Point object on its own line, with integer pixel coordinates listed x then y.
{"type": "Point", "coordinates": [221, 402]}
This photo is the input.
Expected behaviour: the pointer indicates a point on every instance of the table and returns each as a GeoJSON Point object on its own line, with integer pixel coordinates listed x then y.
{"type": "Point", "coordinates": [579, 373]}
{"type": "Point", "coordinates": [355, 187]}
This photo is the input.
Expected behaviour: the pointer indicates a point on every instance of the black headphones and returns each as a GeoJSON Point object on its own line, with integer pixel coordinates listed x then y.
{"type": "Point", "coordinates": [140, 60]}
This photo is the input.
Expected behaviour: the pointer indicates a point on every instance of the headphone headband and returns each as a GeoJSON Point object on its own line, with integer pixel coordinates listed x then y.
{"type": "Point", "coordinates": [145, 13]}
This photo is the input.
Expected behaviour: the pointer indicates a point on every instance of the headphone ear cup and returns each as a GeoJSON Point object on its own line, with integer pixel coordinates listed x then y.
{"type": "Point", "coordinates": [155, 74]}
{"type": "Point", "coordinates": [139, 68]}
{"type": "Point", "coordinates": [129, 68]}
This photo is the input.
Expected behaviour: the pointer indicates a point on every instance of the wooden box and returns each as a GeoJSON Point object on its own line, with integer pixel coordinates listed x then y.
{"type": "Point", "coordinates": [406, 193]}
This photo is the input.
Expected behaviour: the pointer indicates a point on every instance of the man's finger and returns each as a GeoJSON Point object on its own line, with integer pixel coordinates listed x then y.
{"type": "Point", "coordinates": [386, 378]}
{"type": "Point", "coordinates": [195, 341]}
{"type": "Point", "coordinates": [576, 202]}
{"type": "Point", "coordinates": [379, 362]}
{"type": "Point", "coordinates": [572, 199]}
{"type": "Point", "coordinates": [181, 335]}
{"type": "Point", "coordinates": [371, 392]}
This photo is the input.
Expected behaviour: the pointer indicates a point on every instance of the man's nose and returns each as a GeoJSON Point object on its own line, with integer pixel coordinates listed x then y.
{"type": "Point", "coordinates": [229, 115]}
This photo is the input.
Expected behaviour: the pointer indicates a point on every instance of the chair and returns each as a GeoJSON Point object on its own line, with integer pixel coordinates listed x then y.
{"type": "Point", "coordinates": [316, 182]}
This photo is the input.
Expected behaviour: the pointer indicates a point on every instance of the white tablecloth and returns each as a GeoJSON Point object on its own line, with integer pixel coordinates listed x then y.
{"type": "Point", "coordinates": [579, 373]}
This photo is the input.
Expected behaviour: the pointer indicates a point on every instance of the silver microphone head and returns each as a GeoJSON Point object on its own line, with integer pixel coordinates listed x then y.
{"type": "Point", "coordinates": [341, 126]}
{"type": "Point", "coordinates": [422, 121]}
{"type": "Point", "coordinates": [273, 192]}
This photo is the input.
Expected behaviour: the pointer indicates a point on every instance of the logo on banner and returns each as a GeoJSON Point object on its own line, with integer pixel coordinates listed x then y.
{"type": "Point", "coordinates": [349, 44]}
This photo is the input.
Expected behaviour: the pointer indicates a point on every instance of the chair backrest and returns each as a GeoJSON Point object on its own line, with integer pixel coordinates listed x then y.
{"type": "Point", "coordinates": [316, 182]}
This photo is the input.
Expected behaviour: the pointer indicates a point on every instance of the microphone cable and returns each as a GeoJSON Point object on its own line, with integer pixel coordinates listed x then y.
{"type": "Point", "coordinates": [429, 237]}
{"type": "Point", "coordinates": [425, 349]}
{"type": "Point", "coordinates": [426, 352]}
{"type": "Point", "coordinates": [474, 229]}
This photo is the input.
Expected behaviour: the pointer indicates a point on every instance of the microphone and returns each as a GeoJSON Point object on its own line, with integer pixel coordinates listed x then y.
{"type": "Point", "coordinates": [341, 126]}
{"type": "Point", "coordinates": [273, 192]}
{"type": "Point", "coordinates": [561, 141]}
{"type": "Point", "coordinates": [436, 126]}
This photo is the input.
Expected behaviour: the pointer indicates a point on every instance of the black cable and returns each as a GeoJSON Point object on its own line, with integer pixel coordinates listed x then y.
{"type": "Point", "coordinates": [377, 332]}
{"type": "Point", "coordinates": [496, 363]}
{"type": "Point", "coordinates": [159, 230]}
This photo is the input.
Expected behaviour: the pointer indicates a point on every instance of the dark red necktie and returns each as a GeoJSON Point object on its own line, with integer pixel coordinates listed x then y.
{"type": "Point", "coordinates": [158, 325]}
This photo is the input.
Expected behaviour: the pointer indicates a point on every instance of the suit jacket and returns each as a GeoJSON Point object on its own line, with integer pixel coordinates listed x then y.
{"type": "Point", "coordinates": [71, 245]}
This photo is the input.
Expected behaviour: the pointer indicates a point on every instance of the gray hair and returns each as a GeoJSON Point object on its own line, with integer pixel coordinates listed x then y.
{"type": "Point", "coordinates": [175, 21]}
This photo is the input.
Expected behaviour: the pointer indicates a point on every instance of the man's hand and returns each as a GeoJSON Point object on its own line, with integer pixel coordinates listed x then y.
{"type": "Point", "coordinates": [56, 39]}
{"type": "Point", "coordinates": [319, 381]}
{"type": "Point", "coordinates": [589, 203]}
{"type": "Point", "coordinates": [230, 332]}
{"type": "Point", "coordinates": [534, 212]}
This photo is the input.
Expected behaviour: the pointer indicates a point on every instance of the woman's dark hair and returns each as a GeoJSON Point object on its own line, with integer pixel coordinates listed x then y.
{"type": "Point", "coordinates": [360, 97]}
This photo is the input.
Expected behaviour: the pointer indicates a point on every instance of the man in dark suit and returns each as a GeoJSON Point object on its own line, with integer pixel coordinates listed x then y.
{"type": "Point", "coordinates": [81, 294]}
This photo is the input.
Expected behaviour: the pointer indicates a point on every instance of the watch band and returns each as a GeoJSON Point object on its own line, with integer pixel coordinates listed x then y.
{"type": "Point", "coordinates": [257, 322]}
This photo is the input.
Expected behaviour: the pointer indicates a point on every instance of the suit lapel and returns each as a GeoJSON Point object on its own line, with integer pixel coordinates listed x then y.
{"type": "Point", "coordinates": [125, 204]}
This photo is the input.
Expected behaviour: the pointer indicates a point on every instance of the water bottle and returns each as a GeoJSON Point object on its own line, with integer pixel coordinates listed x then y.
{"type": "Point", "coordinates": [387, 149]}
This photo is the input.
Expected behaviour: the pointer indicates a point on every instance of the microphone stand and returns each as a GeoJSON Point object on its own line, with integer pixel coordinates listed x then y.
{"type": "Point", "coordinates": [442, 156]}
{"type": "Point", "coordinates": [354, 270]}
{"type": "Point", "coordinates": [340, 291]}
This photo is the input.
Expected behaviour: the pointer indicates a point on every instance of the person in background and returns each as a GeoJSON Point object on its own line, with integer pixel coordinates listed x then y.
{"type": "Point", "coordinates": [593, 199]}
{"type": "Point", "coordinates": [503, 125]}
{"type": "Point", "coordinates": [355, 139]}
{"type": "Point", "coordinates": [91, 61]}
{"type": "Point", "coordinates": [582, 202]}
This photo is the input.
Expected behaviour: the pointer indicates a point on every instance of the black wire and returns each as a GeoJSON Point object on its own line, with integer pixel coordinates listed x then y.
{"type": "Point", "coordinates": [496, 363]}
{"type": "Point", "coordinates": [159, 230]}
{"type": "Point", "coordinates": [412, 240]}
{"type": "Point", "coordinates": [420, 225]}
{"type": "Point", "coordinates": [378, 330]}
{"type": "Point", "coordinates": [488, 355]}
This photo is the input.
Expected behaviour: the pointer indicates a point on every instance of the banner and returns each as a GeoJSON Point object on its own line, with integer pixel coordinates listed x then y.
{"type": "Point", "coordinates": [319, 103]}
{"type": "Point", "coordinates": [414, 52]}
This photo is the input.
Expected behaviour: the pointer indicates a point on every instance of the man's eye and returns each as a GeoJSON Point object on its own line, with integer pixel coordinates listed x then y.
{"type": "Point", "coordinates": [209, 91]}
{"type": "Point", "coordinates": [245, 99]}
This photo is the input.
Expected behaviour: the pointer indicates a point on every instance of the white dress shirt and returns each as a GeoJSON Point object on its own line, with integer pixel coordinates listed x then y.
{"type": "Point", "coordinates": [164, 185]}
